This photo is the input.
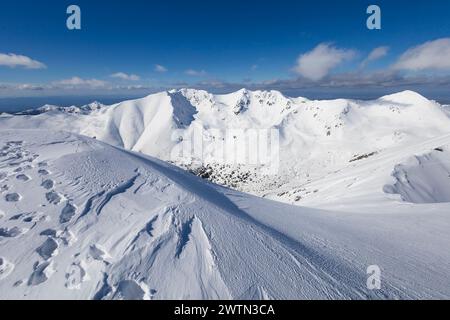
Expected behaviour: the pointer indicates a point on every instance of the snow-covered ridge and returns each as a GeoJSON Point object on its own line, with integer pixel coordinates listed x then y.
{"type": "Point", "coordinates": [80, 219]}
{"type": "Point", "coordinates": [85, 109]}
{"type": "Point", "coordinates": [316, 137]}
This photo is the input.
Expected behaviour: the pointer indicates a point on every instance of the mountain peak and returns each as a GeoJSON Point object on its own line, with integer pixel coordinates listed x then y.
{"type": "Point", "coordinates": [408, 97]}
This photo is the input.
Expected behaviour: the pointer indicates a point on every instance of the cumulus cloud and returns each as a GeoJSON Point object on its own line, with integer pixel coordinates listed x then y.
{"type": "Point", "coordinates": [79, 82]}
{"type": "Point", "coordinates": [317, 63]}
{"type": "Point", "coordinates": [195, 73]}
{"type": "Point", "coordinates": [160, 68]}
{"type": "Point", "coordinates": [375, 54]}
{"type": "Point", "coordinates": [336, 85]}
{"type": "Point", "coordinates": [13, 60]}
{"type": "Point", "coordinates": [124, 76]}
{"type": "Point", "coordinates": [431, 55]}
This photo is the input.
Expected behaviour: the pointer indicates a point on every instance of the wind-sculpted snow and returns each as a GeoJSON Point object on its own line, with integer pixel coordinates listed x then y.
{"type": "Point", "coordinates": [127, 226]}
{"type": "Point", "coordinates": [424, 178]}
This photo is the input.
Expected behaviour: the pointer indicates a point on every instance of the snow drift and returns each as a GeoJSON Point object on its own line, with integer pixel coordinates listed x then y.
{"type": "Point", "coordinates": [424, 178]}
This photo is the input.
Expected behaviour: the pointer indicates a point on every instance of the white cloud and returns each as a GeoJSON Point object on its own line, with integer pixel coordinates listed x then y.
{"type": "Point", "coordinates": [27, 86]}
{"type": "Point", "coordinates": [13, 60]}
{"type": "Point", "coordinates": [160, 68]}
{"type": "Point", "coordinates": [431, 55]}
{"type": "Point", "coordinates": [124, 76]}
{"type": "Point", "coordinates": [375, 54]}
{"type": "Point", "coordinates": [77, 82]}
{"type": "Point", "coordinates": [195, 73]}
{"type": "Point", "coordinates": [316, 64]}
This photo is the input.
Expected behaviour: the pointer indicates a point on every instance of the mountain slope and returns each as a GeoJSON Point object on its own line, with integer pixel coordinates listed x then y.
{"type": "Point", "coordinates": [81, 219]}
{"type": "Point", "coordinates": [315, 137]}
{"type": "Point", "coordinates": [393, 178]}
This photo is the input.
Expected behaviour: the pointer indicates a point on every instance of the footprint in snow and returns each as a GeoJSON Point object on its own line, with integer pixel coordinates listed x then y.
{"type": "Point", "coordinates": [42, 272]}
{"type": "Point", "coordinates": [48, 184]}
{"type": "Point", "coordinates": [43, 172]}
{"type": "Point", "coordinates": [6, 268]}
{"type": "Point", "coordinates": [23, 177]}
{"type": "Point", "coordinates": [48, 249]}
{"type": "Point", "coordinates": [12, 232]}
{"type": "Point", "coordinates": [67, 213]}
{"type": "Point", "coordinates": [53, 197]}
{"type": "Point", "coordinates": [42, 164]}
{"type": "Point", "coordinates": [33, 217]}
{"type": "Point", "coordinates": [13, 197]}
{"type": "Point", "coordinates": [48, 233]}
{"type": "Point", "coordinates": [129, 290]}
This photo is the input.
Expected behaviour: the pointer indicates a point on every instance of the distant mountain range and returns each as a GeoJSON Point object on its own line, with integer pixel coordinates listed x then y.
{"type": "Point", "coordinates": [315, 137]}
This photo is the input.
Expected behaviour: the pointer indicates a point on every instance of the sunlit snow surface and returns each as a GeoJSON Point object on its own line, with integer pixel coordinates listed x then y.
{"type": "Point", "coordinates": [82, 219]}
{"type": "Point", "coordinates": [316, 137]}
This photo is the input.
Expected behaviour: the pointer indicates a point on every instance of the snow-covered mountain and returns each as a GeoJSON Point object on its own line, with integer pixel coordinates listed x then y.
{"type": "Point", "coordinates": [82, 219]}
{"type": "Point", "coordinates": [88, 211]}
{"type": "Point", "coordinates": [316, 138]}
{"type": "Point", "coordinates": [86, 109]}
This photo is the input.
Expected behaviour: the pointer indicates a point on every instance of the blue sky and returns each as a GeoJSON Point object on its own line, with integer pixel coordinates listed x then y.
{"type": "Point", "coordinates": [298, 47]}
